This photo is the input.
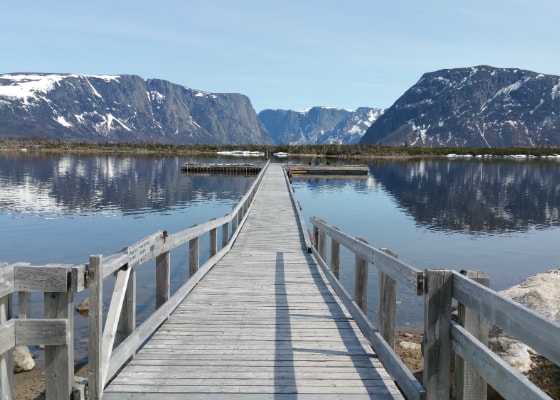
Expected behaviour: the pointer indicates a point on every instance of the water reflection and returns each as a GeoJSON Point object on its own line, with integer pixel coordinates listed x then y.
{"type": "Point", "coordinates": [474, 197]}
{"type": "Point", "coordinates": [463, 196]}
{"type": "Point", "coordinates": [70, 184]}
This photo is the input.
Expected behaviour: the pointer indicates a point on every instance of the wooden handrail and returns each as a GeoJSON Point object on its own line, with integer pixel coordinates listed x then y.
{"type": "Point", "coordinates": [105, 359]}
{"type": "Point", "coordinates": [55, 330]}
{"type": "Point", "coordinates": [441, 334]}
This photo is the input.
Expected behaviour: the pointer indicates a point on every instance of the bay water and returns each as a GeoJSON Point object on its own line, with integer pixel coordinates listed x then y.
{"type": "Point", "coordinates": [498, 216]}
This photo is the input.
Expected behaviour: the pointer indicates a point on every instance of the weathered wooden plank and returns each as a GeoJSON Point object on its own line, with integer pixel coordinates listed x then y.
{"type": "Point", "coordinates": [7, 326]}
{"type": "Point", "coordinates": [507, 381]}
{"type": "Point", "coordinates": [469, 385]}
{"type": "Point", "coordinates": [6, 279]}
{"type": "Point", "coordinates": [111, 324]}
{"type": "Point", "coordinates": [240, 396]}
{"type": "Point", "coordinates": [437, 329]}
{"type": "Point", "coordinates": [59, 358]}
{"type": "Point", "coordinates": [8, 335]}
{"type": "Point", "coordinates": [262, 321]}
{"type": "Point", "coordinates": [396, 269]}
{"type": "Point", "coordinates": [95, 343]}
{"type": "Point", "coordinates": [41, 331]}
{"type": "Point", "coordinates": [53, 278]}
{"type": "Point", "coordinates": [526, 325]}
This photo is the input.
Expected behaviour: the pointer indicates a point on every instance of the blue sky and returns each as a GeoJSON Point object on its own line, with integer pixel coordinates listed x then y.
{"type": "Point", "coordinates": [287, 54]}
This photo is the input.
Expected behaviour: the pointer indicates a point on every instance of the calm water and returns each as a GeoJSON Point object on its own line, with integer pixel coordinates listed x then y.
{"type": "Point", "coordinates": [501, 217]}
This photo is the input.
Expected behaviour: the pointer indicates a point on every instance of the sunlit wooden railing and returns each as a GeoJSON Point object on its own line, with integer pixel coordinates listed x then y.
{"type": "Point", "coordinates": [478, 306]}
{"type": "Point", "coordinates": [55, 330]}
{"type": "Point", "coordinates": [113, 343]}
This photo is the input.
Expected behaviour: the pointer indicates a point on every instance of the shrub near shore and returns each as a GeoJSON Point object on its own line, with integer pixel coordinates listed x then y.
{"type": "Point", "coordinates": [328, 150]}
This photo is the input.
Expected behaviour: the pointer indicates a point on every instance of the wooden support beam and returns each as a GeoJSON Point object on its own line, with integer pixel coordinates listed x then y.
{"type": "Point", "coordinates": [387, 312]}
{"type": "Point", "coordinates": [163, 278]}
{"type": "Point", "coordinates": [194, 259]}
{"type": "Point", "coordinates": [59, 359]}
{"type": "Point", "coordinates": [361, 281]}
{"type": "Point", "coordinates": [469, 385]}
{"type": "Point", "coordinates": [437, 334]}
{"type": "Point", "coordinates": [335, 257]}
{"type": "Point", "coordinates": [95, 344]}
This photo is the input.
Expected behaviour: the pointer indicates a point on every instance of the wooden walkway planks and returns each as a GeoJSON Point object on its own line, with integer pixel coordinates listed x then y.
{"type": "Point", "coordinates": [262, 324]}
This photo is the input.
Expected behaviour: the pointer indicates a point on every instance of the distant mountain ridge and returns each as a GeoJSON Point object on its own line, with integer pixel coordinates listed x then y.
{"type": "Point", "coordinates": [318, 125]}
{"type": "Point", "coordinates": [123, 108]}
{"type": "Point", "coordinates": [473, 107]}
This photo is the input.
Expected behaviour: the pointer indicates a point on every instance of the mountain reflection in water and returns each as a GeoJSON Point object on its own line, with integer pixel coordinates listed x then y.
{"type": "Point", "coordinates": [475, 196]}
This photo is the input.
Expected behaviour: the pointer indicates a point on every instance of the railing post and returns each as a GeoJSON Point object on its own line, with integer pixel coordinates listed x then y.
{"type": "Point", "coordinates": [24, 305]}
{"type": "Point", "coordinates": [213, 241]}
{"type": "Point", "coordinates": [234, 222]}
{"type": "Point", "coordinates": [59, 360]}
{"type": "Point", "coordinates": [437, 333]}
{"type": "Point", "coordinates": [194, 258]}
{"type": "Point", "coordinates": [361, 281]}
{"type": "Point", "coordinates": [95, 344]}
{"type": "Point", "coordinates": [322, 245]}
{"type": "Point", "coordinates": [335, 257]}
{"type": "Point", "coordinates": [127, 319]}
{"type": "Point", "coordinates": [225, 234]}
{"type": "Point", "coordinates": [163, 278]}
{"type": "Point", "coordinates": [315, 237]}
{"type": "Point", "coordinates": [6, 359]}
{"type": "Point", "coordinates": [470, 386]}
{"type": "Point", "coordinates": [387, 312]}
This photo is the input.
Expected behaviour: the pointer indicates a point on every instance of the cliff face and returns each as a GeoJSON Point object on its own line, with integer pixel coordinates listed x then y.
{"type": "Point", "coordinates": [318, 125]}
{"type": "Point", "coordinates": [473, 107]}
{"type": "Point", "coordinates": [123, 108]}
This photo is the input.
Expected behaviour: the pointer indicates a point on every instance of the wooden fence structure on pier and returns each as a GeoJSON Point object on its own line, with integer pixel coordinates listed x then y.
{"type": "Point", "coordinates": [225, 169]}
{"type": "Point", "coordinates": [116, 339]}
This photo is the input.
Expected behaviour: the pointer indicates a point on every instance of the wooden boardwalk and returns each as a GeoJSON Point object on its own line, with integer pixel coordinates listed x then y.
{"type": "Point", "coordinates": [263, 323]}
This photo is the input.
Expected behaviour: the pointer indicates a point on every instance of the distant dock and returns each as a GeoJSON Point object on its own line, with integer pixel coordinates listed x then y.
{"type": "Point", "coordinates": [298, 170]}
{"type": "Point", "coordinates": [226, 169]}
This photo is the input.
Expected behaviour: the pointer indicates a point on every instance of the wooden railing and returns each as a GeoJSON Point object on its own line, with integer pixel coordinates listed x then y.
{"type": "Point", "coordinates": [55, 330]}
{"type": "Point", "coordinates": [475, 365]}
{"type": "Point", "coordinates": [115, 342]}
{"type": "Point", "coordinates": [391, 272]}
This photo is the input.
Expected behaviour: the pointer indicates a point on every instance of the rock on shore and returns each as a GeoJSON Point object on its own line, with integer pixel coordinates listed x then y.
{"type": "Point", "coordinates": [540, 293]}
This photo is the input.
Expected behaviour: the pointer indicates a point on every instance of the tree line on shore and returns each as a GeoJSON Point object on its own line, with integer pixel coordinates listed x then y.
{"type": "Point", "coordinates": [332, 150]}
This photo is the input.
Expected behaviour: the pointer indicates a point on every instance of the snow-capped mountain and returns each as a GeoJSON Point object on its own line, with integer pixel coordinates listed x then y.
{"type": "Point", "coordinates": [318, 125]}
{"type": "Point", "coordinates": [123, 108]}
{"type": "Point", "coordinates": [473, 107]}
